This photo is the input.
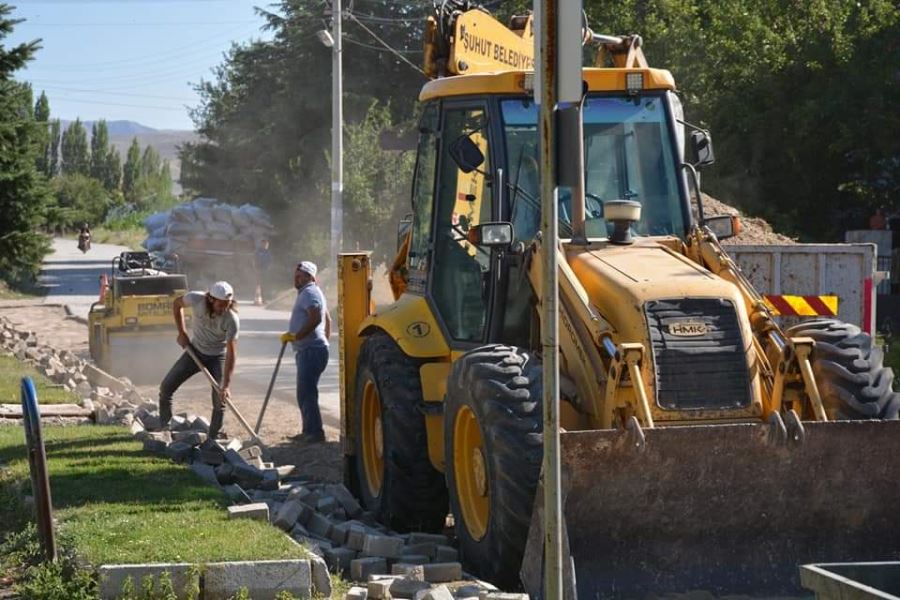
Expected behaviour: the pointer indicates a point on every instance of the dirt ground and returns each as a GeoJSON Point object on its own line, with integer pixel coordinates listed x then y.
{"type": "Point", "coordinates": [318, 461]}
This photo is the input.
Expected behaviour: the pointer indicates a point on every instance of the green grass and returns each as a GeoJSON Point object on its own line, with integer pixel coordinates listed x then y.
{"type": "Point", "coordinates": [116, 504]}
{"type": "Point", "coordinates": [11, 373]}
{"type": "Point", "coordinates": [22, 291]}
{"type": "Point", "coordinates": [131, 237]}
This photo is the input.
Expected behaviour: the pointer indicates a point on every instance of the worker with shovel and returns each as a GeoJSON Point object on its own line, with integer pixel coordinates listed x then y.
{"type": "Point", "coordinates": [309, 329]}
{"type": "Point", "coordinates": [215, 332]}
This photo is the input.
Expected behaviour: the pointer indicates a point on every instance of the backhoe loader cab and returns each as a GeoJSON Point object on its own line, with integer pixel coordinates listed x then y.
{"type": "Point", "coordinates": [697, 446]}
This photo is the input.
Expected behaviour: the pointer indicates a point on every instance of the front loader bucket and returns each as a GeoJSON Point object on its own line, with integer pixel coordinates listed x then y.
{"type": "Point", "coordinates": [725, 508]}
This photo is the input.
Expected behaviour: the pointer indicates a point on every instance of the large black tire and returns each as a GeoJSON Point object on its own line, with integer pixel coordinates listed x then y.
{"type": "Point", "coordinates": [412, 494]}
{"type": "Point", "coordinates": [501, 387]}
{"type": "Point", "coordinates": [850, 372]}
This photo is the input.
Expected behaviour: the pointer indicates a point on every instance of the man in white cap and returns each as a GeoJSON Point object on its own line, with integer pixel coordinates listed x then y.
{"type": "Point", "coordinates": [309, 330]}
{"type": "Point", "coordinates": [215, 327]}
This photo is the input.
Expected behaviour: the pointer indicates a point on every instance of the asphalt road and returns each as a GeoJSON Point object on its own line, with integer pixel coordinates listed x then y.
{"type": "Point", "coordinates": [72, 279]}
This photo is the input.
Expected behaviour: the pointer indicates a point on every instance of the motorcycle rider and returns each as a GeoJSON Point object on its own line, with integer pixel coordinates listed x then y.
{"type": "Point", "coordinates": [84, 238]}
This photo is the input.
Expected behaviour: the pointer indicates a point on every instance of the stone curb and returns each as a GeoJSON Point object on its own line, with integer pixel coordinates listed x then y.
{"type": "Point", "coordinates": [263, 579]}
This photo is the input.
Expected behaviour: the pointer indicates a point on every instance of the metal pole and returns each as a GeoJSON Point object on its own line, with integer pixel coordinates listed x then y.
{"type": "Point", "coordinates": [337, 141]}
{"type": "Point", "coordinates": [545, 10]}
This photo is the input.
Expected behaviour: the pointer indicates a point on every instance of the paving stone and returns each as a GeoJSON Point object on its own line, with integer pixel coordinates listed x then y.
{"type": "Point", "coordinates": [316, 546]}
{"type": "Point", "coordinates": [416, 559]}
{"type": "Point", "coordinates": [193, 438]}
{"type": "Point", "coordinates": [288, 515]}
{"type": "Point", "coordinates": [263, 579]}
{"type": "Point", "coordinates": [236, 493]}
{"type": "Point", "coordinates": [179, 451]}
{"type": "Point", "coordinates": [356, 593]}
{"type": "Point", "coordinates": [163, 436]}
{"type": "Point", "coordinates": [285, 470]}
{"type": "Point", "coordinates": [339, 559]}
{"type": "Point", "coordinates": [410, 571]}
{"type": "Point", "coordinates": [346, 499]}
{"type": "Point", "coordinates": [440, 592]}
{"type": "Point", "coordinates": [356, 536]}
{"type": "Point", "coordinates": [178, 423]}
{"type": "Point", "coordinates": [428, 549]}
{"type": "Point", "coordinates": [206, 472]}
{"type": "Point", "coordinates": [211, 454]}
{"type": "Point", "coordinates": [326, 505]}
{"type": "Point", "coordinates": [485, 595]}
{"type": "Point", "coordinates": [246, 475]}
{"type": "Point", "coordinates": [250, 452]}
{"type": "Point", "coordinates": [200, 424]}
{"type": "Point", "coordinates": [361, 568]}
{"type": "Point", "coordinates": [321, 580]}
{"type": "Point", "coordinates": [319, 525]}
{"type": "Point", "coordinates": [225, 474]}
{"type": "Point", "coordinates": [233, 458]}
{"type": "Point", "coordinates": [155, 446]}
{"type": "Point", "coordinates": [382, 545]}
{"type": "Point", "coordinates": [468, 591]}
{"type": "Point", "coordinates": [445, 554]}
{"type": "Point", "coordinates": [379, 588]}
{"type": "Point", "coordinates": [427, 538]}
{"type": "Point", "coordinates": [441, 572]}
{"type": "Point", "coordinates": [256, 510]}
{"type": "Point", "coordinates": [339, 533]}
{"type": "Point", "coordinates": [405, 587]}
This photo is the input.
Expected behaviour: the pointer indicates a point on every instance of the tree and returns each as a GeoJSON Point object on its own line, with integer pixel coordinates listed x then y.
{"type": "Point", "coordinates": [23, 195]}
{"type": "Point", "coordinates": [112, 170]}
{"type": "Point", "coordinates": [99, 149]}
{"type": "Point", "coordinates": [42, 116]}
{"type": "Point", "coordinates": [79, 199]}
{"type": "Point", "coordinates": [74, 150]}
{"type": "Point", "coordinates": [54, 142]}
{"type": "Point", "coordinates": [131, 172]}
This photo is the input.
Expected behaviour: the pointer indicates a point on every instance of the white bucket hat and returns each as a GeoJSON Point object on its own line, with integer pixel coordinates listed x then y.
{"type": "Point", "coordinates": [221, 290]}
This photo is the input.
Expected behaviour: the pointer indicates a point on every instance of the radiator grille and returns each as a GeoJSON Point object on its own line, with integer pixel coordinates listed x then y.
{"type": "Point", "coordinates": [698, 354]}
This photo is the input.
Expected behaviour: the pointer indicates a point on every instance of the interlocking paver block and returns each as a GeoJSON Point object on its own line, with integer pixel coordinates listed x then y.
{"type": "Point", "coordinates": [361, 568]}
{"type": "Point", "coordinates": [257, 510]}
{"type": "Point", "coordinates": [440, 572]}
{"type": "Point", "coordinates": [382, 545]}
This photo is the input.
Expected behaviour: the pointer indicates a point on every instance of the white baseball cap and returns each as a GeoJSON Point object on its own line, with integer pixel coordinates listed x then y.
{"type": "Point", "coordinates": [221, 290]}
{"type": "Point", "coordinates": [308, 267]}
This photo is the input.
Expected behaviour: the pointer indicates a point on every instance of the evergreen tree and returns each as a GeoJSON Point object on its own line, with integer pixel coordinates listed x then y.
{"type": "Point", "coordinates": [42, 117]}
{"type": "Point", "coordinates": [54, 142]}
{"type": "Point", "coordinates": [112, 170]}
{"type": "Point", "coordinates": [99, 149]}
{"type": "Point", "coordinates": [23, 195]}
{"type": "Point", "coordinates": [132, 171]}
{"type": "Point", "coordinates": [75, 153]}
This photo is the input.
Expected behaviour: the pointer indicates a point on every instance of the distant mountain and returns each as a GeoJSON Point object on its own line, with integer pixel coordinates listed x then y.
{"type": "Point", "coordinates": [116, 127]}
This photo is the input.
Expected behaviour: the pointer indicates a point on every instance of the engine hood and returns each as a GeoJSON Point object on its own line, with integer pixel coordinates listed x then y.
{"type": "Point", "coordinates": [619, 280]}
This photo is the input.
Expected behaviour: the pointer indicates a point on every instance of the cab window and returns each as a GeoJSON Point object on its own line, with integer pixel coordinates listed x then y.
{"type": "Point", "coordinates": [423, 188]}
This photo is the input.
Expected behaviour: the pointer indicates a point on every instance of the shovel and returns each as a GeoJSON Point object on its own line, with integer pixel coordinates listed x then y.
{"type": "Point", "coordinates": [215, 386]}
{"type": "Point", "coordinates": [269, 391]}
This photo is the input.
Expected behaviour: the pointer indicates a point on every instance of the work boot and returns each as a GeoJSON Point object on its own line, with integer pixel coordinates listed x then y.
{"type": "Point", "coordinates": [312, 438]}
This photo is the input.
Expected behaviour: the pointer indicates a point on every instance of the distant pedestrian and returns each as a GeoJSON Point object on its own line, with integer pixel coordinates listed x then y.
{"type": "Point", "coordinates": [309, 330]}
{"type": "Point", "coordinates": [215, 328]}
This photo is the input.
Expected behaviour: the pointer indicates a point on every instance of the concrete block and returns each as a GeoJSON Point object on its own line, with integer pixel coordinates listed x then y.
{"type": "Point", "coordinates": [445, 554]}
{"type": "Point", "coordinates": [233, 458]}
{"type": "Point", "coordinates": [361, 568]}
{"type": "Point", "coordinates": [162, 436]}
{"type": "Point", "coordinates": [225, 474]}
{"type": "Point", "coordinates": [339, 533]}
{"type": "Point", "coordinates": [428, 549]}
{"type": "Point", "coordinates": [379, 588]}
{"type": "Point", "coordinates": [178, 451]}
{"type": "Point", "coordinates": [250, 452]}
{"type": "Point", "coordinates": [319, 525]}
{"type": "Point", "coordinates": [206, 472]}
{"type": "Point", "coordinates": [356, 593]}
{"type": "Point", "coordinates": [200, 424]}
{"type": "Point", "coordinates": [155, 446]}
{"type": "Point", "coordinates": [263, 579]}
{"type": "Point", "coordinates": [211, 454]}
{"type": "Point", "coordinates": [441, 572]}
{"type": "Point", "coordinates": [404, 587]}
{"type": "Point", "coordinates": [415, 559]}
{"type": "Point", "coordinates": [409, 571]}
{"type": "Point", "coordinates": [178, 423]}
{"type": "Point", "coordinates": [382, 545]}
{"type": "Point", "coordinates": [440, 592]}
{"type": "Point", "coordinates": [468, 591]}
{"type": "Point", "coordinates": [339, 559]}
{"type": "Point", "coordinates": [326, 505]}
{"type": "Point", "coordinates": [285, 470]}
{"type": "Point", "coordinates": [321, 580]}
{"type": "Point", "coordinates": [288, 514]}
{"type": "Point", "coordinates": [314, 545]}
{"type": "Point", "coordinates": [427, 538]}
{"type": "Point", "coordinates": [246, 475]}
{"type": "Point", "coordinates": [257, 510]}
{"type": "Point", "coordinates": [236, 493]}
{"type": "Point", "coordinates": [346, 499]}
{"type": "Point", "coordinates": [112, 578]}
{"type": "Point", "coordinates": [192, 438]}
{"type": "Point", "coordinates": [486, 595]}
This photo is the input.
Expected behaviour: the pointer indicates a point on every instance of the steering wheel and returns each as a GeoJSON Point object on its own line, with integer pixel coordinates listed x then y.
{"type": "Point", "coordinates": [593, 214]}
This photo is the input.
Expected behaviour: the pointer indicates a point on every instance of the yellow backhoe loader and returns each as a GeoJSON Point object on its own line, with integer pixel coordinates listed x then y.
{"type": "Point", "coordinates": [703, 445]}
{"type": "Point", "coordinates": [131, 328]}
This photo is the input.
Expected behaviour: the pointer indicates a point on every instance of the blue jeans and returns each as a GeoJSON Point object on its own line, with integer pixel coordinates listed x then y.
{"type": "Point", "coordinates": [311, 362]}
{"type": "Point", "coordinates": [183, 369]}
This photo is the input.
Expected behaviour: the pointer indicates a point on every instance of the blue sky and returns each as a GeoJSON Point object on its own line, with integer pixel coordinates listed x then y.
{"type": "Point", "coordinates": [129, 59]}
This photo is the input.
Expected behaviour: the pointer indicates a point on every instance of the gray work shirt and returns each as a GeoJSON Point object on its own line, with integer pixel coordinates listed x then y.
{"type": "Point", "coordinates": [210, 331]}
{"type": "Point", "coordinates": [309, 296]}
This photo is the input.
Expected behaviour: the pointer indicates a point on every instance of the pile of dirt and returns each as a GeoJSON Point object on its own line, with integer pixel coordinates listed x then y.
{"type": "Point", "coordinates": [754, 230]}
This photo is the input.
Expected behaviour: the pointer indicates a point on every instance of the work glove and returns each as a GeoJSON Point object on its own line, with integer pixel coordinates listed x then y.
{"type": "Point", "coordinates": [287, 337]}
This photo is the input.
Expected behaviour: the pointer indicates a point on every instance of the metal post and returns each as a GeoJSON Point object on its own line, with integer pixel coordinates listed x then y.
{"type": "Point", "coordinates": [337, 126]}
{"type": "Point", "coordinates": [37, 462]}
{"type": "Point", "coordinates": [545, 11]}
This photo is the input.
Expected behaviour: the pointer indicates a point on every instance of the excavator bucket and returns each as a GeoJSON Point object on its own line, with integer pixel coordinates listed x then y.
{"type": "Point", "coordinates": [727, 509]}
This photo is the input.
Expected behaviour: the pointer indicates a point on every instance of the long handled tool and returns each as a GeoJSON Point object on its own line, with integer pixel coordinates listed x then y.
{"type": "Point", "coordinates": [269, 391]}
{"type": "Point", "coordinates": [218, 390]}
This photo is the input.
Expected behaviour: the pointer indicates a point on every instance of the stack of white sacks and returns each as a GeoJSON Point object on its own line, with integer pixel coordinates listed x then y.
{"type": "Point", "coordinates": [206, 219]}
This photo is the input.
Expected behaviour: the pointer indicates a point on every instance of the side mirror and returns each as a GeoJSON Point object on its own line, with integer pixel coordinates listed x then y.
{"type": "Point", "coordinates": [466, 154]}
{"type": "Point", "coordinates": [724, 226]}
{"type": "Point", "coordinates": [701, 144]}
{"type": "Point", "coordinates": [492, 235]}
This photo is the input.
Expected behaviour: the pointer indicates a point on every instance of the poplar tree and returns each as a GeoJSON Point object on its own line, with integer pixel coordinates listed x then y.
{"type": "Point", "coordinates": [75, 153]}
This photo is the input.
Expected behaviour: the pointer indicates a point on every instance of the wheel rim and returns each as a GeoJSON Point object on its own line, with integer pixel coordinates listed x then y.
{"type": "Point", "coordinates": [470, 473]}
{"type": "Point", "coordinates": [372, 439]}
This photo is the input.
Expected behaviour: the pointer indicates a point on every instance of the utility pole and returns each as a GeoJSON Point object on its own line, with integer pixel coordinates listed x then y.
{"type": "Point", "coordinates": [337, 133]}
{"type": "Point", "coordinates": [558, 87]}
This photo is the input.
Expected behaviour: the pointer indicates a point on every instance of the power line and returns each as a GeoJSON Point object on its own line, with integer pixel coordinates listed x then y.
{"type": "Point", "coordinates": [35, 23]}
{"type": "Point", "coordinates": [385, 44]}
{"type": "Point", "coordinates": [109, 92]}
{"type": "Point", "coordinates": [147, 106]}
{"type": "Point", "coordinates": [379, 48]}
